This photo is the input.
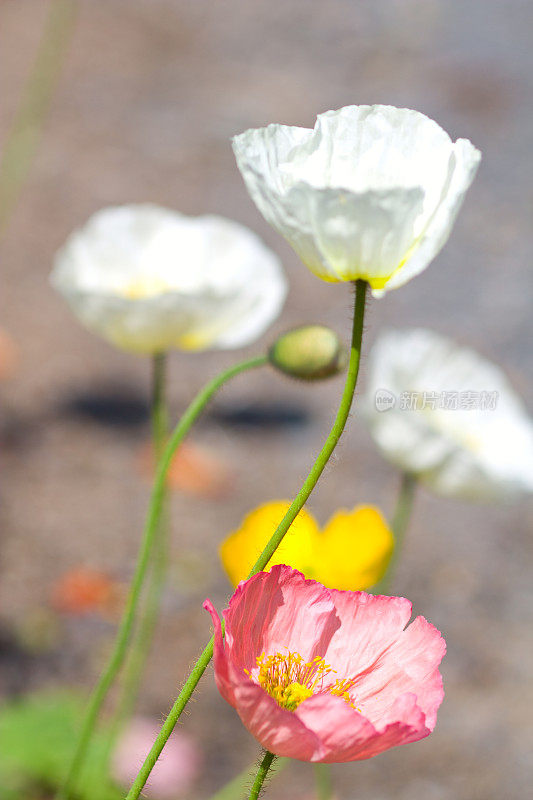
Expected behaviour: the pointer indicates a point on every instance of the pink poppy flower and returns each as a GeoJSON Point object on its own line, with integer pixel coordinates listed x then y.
{"type": "Point", "coordinates": [319, 674]}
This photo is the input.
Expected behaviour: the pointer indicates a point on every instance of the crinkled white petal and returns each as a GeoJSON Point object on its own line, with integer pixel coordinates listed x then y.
{"type": "Point", "coordinates": [372, 229]}
{"type": "Point", "coordinates": [471, 453]}
{"type": "Point", "coordinates": [331, 190]}
{"type": "Point", "coordinates": [149, 279]}
{"type": "Point", "coordinates": [464, 163]}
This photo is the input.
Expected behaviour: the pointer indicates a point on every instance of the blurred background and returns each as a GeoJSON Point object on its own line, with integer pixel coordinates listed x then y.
{"type": "Point", "coordinates": [149, 95]}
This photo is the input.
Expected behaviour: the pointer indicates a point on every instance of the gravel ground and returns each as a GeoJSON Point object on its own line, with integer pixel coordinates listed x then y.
{"type": "Point", "coordinates": [150, 94]}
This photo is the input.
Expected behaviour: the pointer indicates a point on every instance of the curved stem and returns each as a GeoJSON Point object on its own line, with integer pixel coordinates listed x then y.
{"type": "Point", "coordinates": [264, 766]}
{"type": "Point", "coordinates": [23, 137]}
{"type": "Point", "coordinates": [150, 531]}
{"type": "Point", "coordinates": [296, 506]}
{"type": "Point", "coordinates": [324, 784]}
{"type": "Point", "coordinates": [399, 523]}
{"type": "Point", "coordinates": [334, 435]}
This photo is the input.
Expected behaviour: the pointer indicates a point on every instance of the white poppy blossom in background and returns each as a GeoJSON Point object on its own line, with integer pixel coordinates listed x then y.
{"type": "Point", "coordinates": [448, 416]}
{"type": "Point", "coordinates": [371, 192]}
{"type": "Point", "coordinates": [149, 279]}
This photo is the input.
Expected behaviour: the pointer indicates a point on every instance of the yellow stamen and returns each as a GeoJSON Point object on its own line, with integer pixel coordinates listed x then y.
{"type": "Point", "coordinates": [290, 680]}
{"type": "Point", "coordinates": [342, 689]}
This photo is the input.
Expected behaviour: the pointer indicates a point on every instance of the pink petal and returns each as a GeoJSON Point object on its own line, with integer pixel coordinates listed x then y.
{"type": "Point", "coordinates": [277, 612]}
{"type": "Point", "coordinates": [276, 729]}
{"type": "Point", "coordinates": [369, 625]}
{"type": "Point", "coordinates": [409, 726]}
{"type": "Point", "coordinates": [348, 735]}
{"type": "Point", "coordinates": [408, 666]}
{"type": "Point", "coordinates": [343, 731]}
{"type": "Point", "coordinates": [222, 676]}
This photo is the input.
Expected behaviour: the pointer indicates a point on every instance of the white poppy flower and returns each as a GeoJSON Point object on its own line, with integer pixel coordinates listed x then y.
{"type": "Point", "coordinates": [371, 192]}
{"type": "Point", "coordinates": [446, 415]}
{"type": "Point", "coordinates": [148, 279]}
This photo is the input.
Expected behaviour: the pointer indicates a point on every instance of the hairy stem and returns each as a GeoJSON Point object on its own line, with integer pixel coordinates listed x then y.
{"type": "Point", "coordinates": [264, 766]}
{"type": "Point", "coordinates": [235, 789]}
{"type": "Point", "coordinates": [296, 506]}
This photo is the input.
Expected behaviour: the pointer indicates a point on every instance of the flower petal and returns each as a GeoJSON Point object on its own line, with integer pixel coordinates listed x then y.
{"type": "Point", "coordinates": [261, 154]}
{"type": "Point", "coordinates": [464, 163]}
{"type": "Point", "coordinates": [342, 730]}
{"type": "Point", "coordinates": [380, 147]}
{"type": "Point", "coordinates": [222, 667]}
{"type": "Point", "coordinates": [409, 726]}
{"type": "Point", "coordinates": [467, 451]}
{"type": "Point", "coordinates": [355, 235]}
{"type": "Point", "coordinates": [276, 729]}
{"type": "Point", "coordinates": [240, 550]}
{"type": "Point", "coordinates": [348, 735]}
{"type": "Point", "coordinates": [410, 665]}
{"type": "Point", "coordinates": [265, 616]}
{"type": "Point", "coordinates": [148, 279]}
{"type": "Point", "coordinates": [354, 549]}
{"type": "Point", "coordinates": [368, 625]}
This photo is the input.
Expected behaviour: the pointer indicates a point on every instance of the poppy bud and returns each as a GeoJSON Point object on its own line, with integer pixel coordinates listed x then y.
{"type": "Point", "coordinates": [310, 352]}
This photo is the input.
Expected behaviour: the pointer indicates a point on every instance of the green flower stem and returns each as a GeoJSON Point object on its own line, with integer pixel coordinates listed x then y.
{"type": "Point", "coordinates": [399, 523]}
{"type": "Point", "coordinates": [296, 506]}
{"type": "Point", "coordinates": [235, 789]}
{"type": "Point", "coordinates": [264, 766]}
{"type": "Point", "coordinates": [159, 413]}
{"type": "Point", "coordinates": [23, 137]}
{"type": "Point", "coordinates": [140, 649]}
{"type": "Point", "coordinates": [334, 435]}
{"type": "Point", "coordinates": [323, 781]}
{"type": "Point", "coordinates": [117, 657]}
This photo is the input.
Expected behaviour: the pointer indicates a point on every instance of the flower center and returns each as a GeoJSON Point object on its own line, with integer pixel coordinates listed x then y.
{"type": "Point", "coordinates": [291, 696]}
{"type": "Point", "coordinates": [290, 680]}
{"type": "Point", "coordinates": [144, 286]}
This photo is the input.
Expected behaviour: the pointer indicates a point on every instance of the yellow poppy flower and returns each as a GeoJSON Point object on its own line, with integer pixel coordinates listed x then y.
{"type": "Point", "coordinates": [351, 552]}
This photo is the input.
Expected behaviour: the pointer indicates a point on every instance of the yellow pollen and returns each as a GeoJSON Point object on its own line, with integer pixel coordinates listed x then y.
{"type": "Point", "coordinates": [290, 680]}
{"type": "Point", "coordinates": [292, 695]}
{"type": "Point", "coordinates": [144, 286]}
{"type": "Point", "coordinates": [342, 689]}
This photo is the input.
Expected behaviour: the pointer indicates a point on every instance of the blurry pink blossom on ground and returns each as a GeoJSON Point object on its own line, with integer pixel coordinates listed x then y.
{"type": "Point", "coordinates": [175, 770]}
{"type": "Point", "coordinates": [324, 675]}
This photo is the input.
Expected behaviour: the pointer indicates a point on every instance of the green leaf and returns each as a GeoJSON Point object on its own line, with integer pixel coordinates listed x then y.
{"type": "Point", "coordinates": [37, 737]}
